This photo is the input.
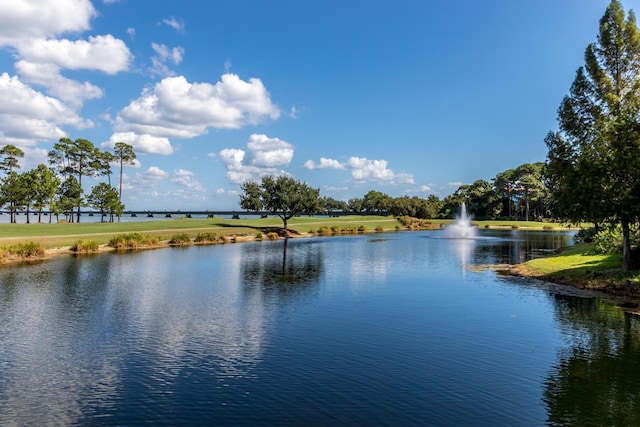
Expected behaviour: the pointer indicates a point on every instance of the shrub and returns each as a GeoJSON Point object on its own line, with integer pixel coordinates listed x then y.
{"type": "Point", "coordinates": [272, 235]}
{"type": "Point", "coordinates": [348, 230]}
{"type": "Point", "coordinates": [259, 235]}
{"type": "Point", "coordinates": [362, 229]}
{"type": "Point", "coordinates": [180, 239]}
{"type": "Point", "coordinates": [133, 240]}
{"type": "Point", "coordinates": [380, 229]}
{"type": "Point", "coordinates": [608, 241]}
{"type": "Point", "coordinates": [24, 250]}
{"type": "Point", "coordinates": [206, 237]}
{"type": "Point", "coordinates": [325, 231]}
{"type": "Point", "coordinates": [85, 247]}
{"type": "Point", "coordinates": [335, 229]}
{"type": "Point", "coordinates": [548, 227]}
{"type": "Point", "coordinates": [515, 227]}
{"type": "Point", "coordinates": [585, 235]}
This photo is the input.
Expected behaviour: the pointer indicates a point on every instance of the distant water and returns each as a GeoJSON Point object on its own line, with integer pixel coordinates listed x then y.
{"type": "Point", "coordinates": [381, 329]}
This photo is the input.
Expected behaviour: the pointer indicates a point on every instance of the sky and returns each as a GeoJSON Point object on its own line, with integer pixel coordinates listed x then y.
{"type": "Point", "coordinates": [406, 97]}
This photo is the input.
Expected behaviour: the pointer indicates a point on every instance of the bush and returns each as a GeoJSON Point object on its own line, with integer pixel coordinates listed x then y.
{"type": "Point", "coordinates": [380, 229]}
{"type": "Point", "coordinates": [206, 237]}
{"type": "Point", "coordinates": [85, 247]}
{"type": "Point", "coordinates": [180, 239]}
{"type": "Point", "coordinates": [272, 235]}
{"type": "Point", "coordinates": [348, 230]}
{"type": "Point", "coordinates": [133, 241]}
{"type": "Point", "coordinates": [362, 229]}
{"type": "Point", "coordinates": [608, 241]}
{"type": "Point", "coordinates": [259, 235]}
{"type": "Point", "coordinates": [585, 235]}
{"type": "Point", "coordinates": [24, 250]}
{"type": "Point", "coordinates": [325, 231]}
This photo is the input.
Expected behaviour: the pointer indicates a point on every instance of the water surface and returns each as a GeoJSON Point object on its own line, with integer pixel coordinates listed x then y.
{"type": "Point", "coordinates": [384, 329]}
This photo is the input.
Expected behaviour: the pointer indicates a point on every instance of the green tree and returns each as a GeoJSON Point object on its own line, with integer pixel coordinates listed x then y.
{"type": "Point", "coordinates": [105, 199]}
{"type": "Point", "coordinates": [330, 205]}
{"type": "Point", "coordinates": [45, 184]}
{"type": "Point", "coordinates": [69, 196]}
{"type": "Point", "coordinates": [125, 154]}
{"type": "Point", "coordinates": [594, 159]}
{"type": "Point", "coordinates": [13, 193]}
{"type": "Point", "coordinates": [78, 157]}
{"type": "Point", "coordinates": [10, 154]}
{"type": "Point", "coordinates": [282, 196]}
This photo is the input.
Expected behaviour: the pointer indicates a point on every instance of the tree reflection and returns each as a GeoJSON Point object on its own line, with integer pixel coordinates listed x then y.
{"type": "Point", "coordinates": [282, 269]}
{"type": "Point", "coordinates": [595, 381]}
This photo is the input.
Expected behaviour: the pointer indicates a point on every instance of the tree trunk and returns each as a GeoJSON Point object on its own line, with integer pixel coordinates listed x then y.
{"type": "Point", "coordinates": [626, 245]}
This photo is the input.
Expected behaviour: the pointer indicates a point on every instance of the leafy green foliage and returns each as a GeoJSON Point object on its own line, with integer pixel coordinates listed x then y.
{"type": "Point", "coordinates": [85, 246]}
{"type": "Point", "coordinates": [180, 239]}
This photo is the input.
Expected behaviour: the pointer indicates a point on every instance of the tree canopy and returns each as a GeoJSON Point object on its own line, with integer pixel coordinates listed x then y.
{"type": "Point", "coordinates": [594, 159]}
{"type": "Point", "coordinates": [282, 196]}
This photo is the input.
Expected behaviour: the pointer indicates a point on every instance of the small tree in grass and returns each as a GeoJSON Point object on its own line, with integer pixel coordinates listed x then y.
{"type": "Point", "coordinates": [282, 196]}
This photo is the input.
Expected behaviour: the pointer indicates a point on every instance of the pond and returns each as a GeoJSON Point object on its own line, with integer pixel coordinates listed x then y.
{"type": "Point", "coordinates": [377, 329]}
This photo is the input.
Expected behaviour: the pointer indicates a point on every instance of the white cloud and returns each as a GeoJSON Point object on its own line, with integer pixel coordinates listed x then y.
{"type": "Point", "coordinates": [163, 55]}
{"type": "Point", "coordinates": [265, 156]}
{"type": "Point", "coordinates": [154, 173]}
{"type": "Point", "coordinates": [28, 116]}
{"type": "Point", "coordinates": [324, 164]}
{"type": "Point", "coordinates": [180, 109]}
{"type": "Point", "coordinates": [363, 169]}
{"type": "Point", "coordinates": [186, 179]}
{"type": "Point", "coordinates": [141, 143]}
{"type": "Point", "coordinates": [131, 31]}
{"type": "Point", "coordinates": [27, 19]}
{"type": "Point", "coordinates": [176, 24]}
{"type": "Point", "coordinates": [100, 53]}
{"type": "Point", "coordinates": [48, 75]}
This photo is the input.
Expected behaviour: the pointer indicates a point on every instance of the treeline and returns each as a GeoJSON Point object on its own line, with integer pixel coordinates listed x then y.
{"type": "Point", "coordinates": [57, 187]}
{"type": "Point", "coordinates": [518, 194]}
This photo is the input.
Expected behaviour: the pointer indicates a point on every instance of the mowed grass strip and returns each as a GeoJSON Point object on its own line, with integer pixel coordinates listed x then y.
{"type": "Point", "coordinates": [66, 234]}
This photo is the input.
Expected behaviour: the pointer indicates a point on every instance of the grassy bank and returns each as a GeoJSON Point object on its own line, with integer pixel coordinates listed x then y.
{"type": "Point", "coordinates": [580, 267]}
{"type": "Point", "coordinates": [64, 234]}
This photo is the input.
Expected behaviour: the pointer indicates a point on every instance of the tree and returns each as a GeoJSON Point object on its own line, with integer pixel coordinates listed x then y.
{"type": "Point", "coordinates": [79, 157]}
{"type": "Point", "coordinates": [282, 196]}
{"type": "Point", "coordinates": [45, 184]}
{"type": "Point", "coordinates": [124, 152]}
{"type": "Point", "coordinates": [69, 196]}
{"type": "Point", "coordinates": [13, 192]}
{"type": "Point", "coordinates": [10, 154]}
{"type": "Point", "coordinates": [594, 159]}
{"type": "Point", "coordinates": [105, 199]}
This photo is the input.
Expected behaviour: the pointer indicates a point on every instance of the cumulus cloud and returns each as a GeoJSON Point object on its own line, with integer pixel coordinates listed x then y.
{"type": "Point", "coordinates": [186, 178]}
{"type": "Point", "coordinates": [28, 116]}
{"type": "Point", "coordinates": [48, 75]}
{"type": "Point", "coordinates": [176, 108]}
{"type": "Point", "coordinates": [99, 53]}
{"type": "Point", "coordinates": [264, 156]}
{"type": "Point", "coordinates": [141, 143]}
{"type": "Point", "coordinates": [164, 54]}
{"type": "Point", "coordinates": [30, 29]}
{"type": "Point", "coordinates": [32, 19]}
{"type": "Point", "coordinates": [363, 169]}
{"type": "Point", "coordinates": [324, 164]}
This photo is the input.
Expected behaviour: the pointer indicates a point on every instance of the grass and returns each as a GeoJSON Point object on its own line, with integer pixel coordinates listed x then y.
{"type": "Point", "coordinates": [66, 234]}
{"type": "Point", "coordinates": [85, 246]}
{"type": "Point", "coordinates": [579, 266]}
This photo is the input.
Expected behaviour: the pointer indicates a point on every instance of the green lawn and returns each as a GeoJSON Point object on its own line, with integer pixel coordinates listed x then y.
{"type": "Point", "coordinates": [65, 234]}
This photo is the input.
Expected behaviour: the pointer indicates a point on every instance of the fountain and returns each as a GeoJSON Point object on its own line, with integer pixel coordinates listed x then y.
{"type": "Point", "coordinates": [461, 228]}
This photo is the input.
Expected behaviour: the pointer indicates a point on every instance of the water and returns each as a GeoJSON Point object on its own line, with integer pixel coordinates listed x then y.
{"type": "Point", "coordinates": [461, 228]}
{"type": "Point", "coordinates": [383, 329]}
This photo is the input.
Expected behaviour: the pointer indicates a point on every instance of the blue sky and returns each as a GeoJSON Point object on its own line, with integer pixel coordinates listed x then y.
{"type": "Point", "coordinates": [405, 97]}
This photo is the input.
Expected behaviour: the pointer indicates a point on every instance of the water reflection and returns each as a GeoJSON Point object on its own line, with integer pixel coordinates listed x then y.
{"type": "Point", "coordinates": [285, 269]}
{"type": "Point", "coordinates": [595, 379]}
